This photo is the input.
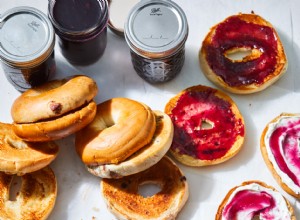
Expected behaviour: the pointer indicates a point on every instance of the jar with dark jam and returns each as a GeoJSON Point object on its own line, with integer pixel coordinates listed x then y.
{"type": "Point", "coordinates": [27, 41]}
{"type": "Point", "coordinates": [81, 27]}
{"type": "Point", "coordinates": [156, 32]}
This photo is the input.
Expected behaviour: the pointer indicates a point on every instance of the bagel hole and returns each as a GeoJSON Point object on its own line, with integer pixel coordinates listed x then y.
{"type": "Point", "coordinates": [15, 187]}
{"type": "Point", "coordinates": [206, 125]}
{"type": "Point", "coordinates": [149, 189]}
{"type": "Point", "coordinates": [242, 54]}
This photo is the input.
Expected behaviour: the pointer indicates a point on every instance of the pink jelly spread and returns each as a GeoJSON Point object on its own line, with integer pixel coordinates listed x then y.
{"type": "Point", "coordinates": [236, 33]}
{"type": "Point", "coordinates": [251, 203]}
{"type": "Point", "coordinates": [210, 143]}
{"type": "Point", "coordinates": [288, 159]}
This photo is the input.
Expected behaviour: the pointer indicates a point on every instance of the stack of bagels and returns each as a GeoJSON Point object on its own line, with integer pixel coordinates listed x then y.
{"type": "Point", "coordinates": [126, 144]}
{"type": "Point", "coordinates": [49, 112]}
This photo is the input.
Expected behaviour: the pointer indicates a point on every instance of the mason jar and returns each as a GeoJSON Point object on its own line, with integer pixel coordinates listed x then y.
{"type": "Point", "coordinates": [27, 41]}
{"type": "Point", "coordinates": [156, 32]}
{"type": "Point", "coordinates": [81, 27]}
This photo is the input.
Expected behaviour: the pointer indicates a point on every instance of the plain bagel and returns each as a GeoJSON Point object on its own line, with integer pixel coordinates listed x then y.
{"type": "Point", "coordinates": [55, 110]}
{"type": "Point", "coordinates": [35, 200]}
{"type": "Point", "coordinates": [20, 157]}
{"type": "Point", "coordinates": [124, 200]}
{"type": "Point", "coordinates": [120, 128]}
{"type": "Point", "coordinates": [143, 158]}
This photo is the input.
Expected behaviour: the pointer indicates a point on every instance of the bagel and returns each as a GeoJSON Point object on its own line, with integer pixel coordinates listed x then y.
{"type": "Point", "coordinates": [54, 110]}
{"type": "Point", "coordinates": [20, 157]}
{"type": "Point", "coordinates": [279, 146]}
{"type": "Point", "coordinates": [124, 201]}
{"type": "Point", "coordinates": [143, 158]}
{"type": "Point", "coordinates": [254, 199]}
{"type": "Point", "coordinates": [250, 33]}
{"type": "Point", "coordinates": [120, 128]}
{"type": "Point", "coordinates": [208, 127]}
{"type": "Point", "coordinates": [34, 201]}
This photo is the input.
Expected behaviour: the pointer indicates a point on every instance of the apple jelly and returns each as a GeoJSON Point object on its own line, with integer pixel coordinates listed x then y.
{"type": "Point", "coordinates": [156, 32]}
{"type": "Point", "coordinates": [27, 42]}
{"type": "Point", "coordinates": [81, 27]}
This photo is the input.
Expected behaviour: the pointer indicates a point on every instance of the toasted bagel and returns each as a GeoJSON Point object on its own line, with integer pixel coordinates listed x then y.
{"type": "Point", "coordinates": [254, 198]}
{"type": "Point", "coordinates": [208, 126]}
{"type": "Point", "coordinates": [55, 110]}
{"type": "Point", "coordinates": [124, 201]}
{"type": "Point", "coordinates": [20, 157]}
{"type": "Point", "coordinates": [279, 148]}
{"type": "Point", "coordinates": [143, 158]}
{"type": "Point", "coordinates": [265, 64]}
{"type": "Point", "coordinates": [34, 201]}
{"type": "Point", "coordinates": [120, 128]}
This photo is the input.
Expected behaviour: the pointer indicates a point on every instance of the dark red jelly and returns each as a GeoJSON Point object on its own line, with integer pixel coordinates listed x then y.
{"type": "Point", "coordinates": [251, 203]}
{"type": "Point", "coordinates": [81, 27]}
{"type": "Point", "coordinates": [236, 33]}
{"type": "Point", "coordinates": [287, 158]}
{"type": "Point", "coordinates": [191, 111]}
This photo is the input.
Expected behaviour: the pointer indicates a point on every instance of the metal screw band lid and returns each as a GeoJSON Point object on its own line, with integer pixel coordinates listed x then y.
{"type": "Point", "coordinates": [26, 36]}
{"type": "Point", "coordinates": [156, 28]}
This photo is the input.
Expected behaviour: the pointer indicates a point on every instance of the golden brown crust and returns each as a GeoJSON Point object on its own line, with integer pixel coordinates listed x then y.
{"type": "Point", "coordinates": [120, 128]}
{"type": "Point", "coordinates": [269, 164]}
{"type": "Point", "coordinates": [146, 156]}
{"type": "Point", "coordinates": [20, 157]}
{"type": "Point", "coordinates": [225, 200]}
{"type": "Point", "coordinates": [280, 68]}
{"type": "Point", "coordinates": [35, 200]}
{"type": "Point", "coordinates": [57, 128]}
{"type": "Point", "coordinates": [191, 161]}
{"type": "Point", "coordinates": [124, 200]}
{"type": "Point", "coordinates": [53, 99]}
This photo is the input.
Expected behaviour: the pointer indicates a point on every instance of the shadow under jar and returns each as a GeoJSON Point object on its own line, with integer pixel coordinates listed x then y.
{"type": "Point", "coordinates": [81, 27]}
{"type": "Point", "coordinates": [27, 42]}
{"type": "Point", "coordinates": [156, 32]}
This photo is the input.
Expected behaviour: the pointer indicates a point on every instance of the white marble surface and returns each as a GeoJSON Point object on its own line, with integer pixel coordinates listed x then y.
{"type": "Point", "coordinates": [78, 191]}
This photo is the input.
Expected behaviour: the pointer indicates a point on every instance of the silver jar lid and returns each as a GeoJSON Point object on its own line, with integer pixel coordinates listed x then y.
{"type": "Point", "coordinates": [156, 28]}
{"type": "Point", "coordinates": [26, 36]}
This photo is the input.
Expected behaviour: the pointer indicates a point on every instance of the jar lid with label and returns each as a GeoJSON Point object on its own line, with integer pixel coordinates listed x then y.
{"type": "Point", "coordinates": [156, 28]}
{"type": "Point", "coordinates": [27, 37]}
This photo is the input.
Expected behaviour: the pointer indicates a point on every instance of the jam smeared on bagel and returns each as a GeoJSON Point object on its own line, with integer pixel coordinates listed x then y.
{"type": "Point", "coordinates": [243, 32]}
{"type": "Point", "coordinates": [195, 107]}
{"type": "Point", "coordinates": [254, 198]}
{"type": "Point", "coordinates": [280, 149]}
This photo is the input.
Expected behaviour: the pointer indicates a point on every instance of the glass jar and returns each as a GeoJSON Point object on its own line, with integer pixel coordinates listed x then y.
{"type": "Point", "coordinates": [156, 32]}
{"type": "Point", "coordinates": [81, 27]}
{"type": "Point", "coordinates": [27, 42]}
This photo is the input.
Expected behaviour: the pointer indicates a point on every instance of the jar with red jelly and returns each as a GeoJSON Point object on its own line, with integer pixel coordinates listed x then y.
{"type": "Point", "coordinates": [81, 26]}
{"type": "Point", "coordinates": [27, 42]}
{"type": "Point", "coordinates": [156, 32]}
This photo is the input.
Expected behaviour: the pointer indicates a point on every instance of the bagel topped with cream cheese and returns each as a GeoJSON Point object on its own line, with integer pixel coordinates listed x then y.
{"type": "Point", "coordinates": [55, 109]}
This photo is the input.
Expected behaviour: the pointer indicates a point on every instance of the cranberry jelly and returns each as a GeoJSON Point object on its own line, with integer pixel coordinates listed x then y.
{"type": "Point", "coordinates": [236, 33]}
{"type": "Point", "coordinates": [287, 137]}
{"type": "Point", "coordinates": [81, 27]}
{"type": "Point", "coordinates": [194, 108]}
{"type": "Point", "coordinates": [251, 203]}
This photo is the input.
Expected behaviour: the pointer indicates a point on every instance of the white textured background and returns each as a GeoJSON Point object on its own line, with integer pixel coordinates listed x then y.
{"type": "Point", "coordinates": [78, 191]}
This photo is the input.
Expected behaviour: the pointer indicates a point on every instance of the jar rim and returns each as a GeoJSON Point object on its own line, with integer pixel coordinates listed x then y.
{"type": "Point", "coordinates": [164, 41]}
{"type": "Point", "coordinates": [66, 33]}
{"type": "Point", "coordinates": [34, 22]}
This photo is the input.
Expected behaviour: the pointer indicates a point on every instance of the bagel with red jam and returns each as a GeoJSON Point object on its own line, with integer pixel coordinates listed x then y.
{"type": "Point", "coordinates": [254, 200]}
{"type": "Point", "coordinates": [55, 109]}
{"type": "Point", "coordinates": [265, 61]}
{"type": "Point", "coordinates": [208, 126]}
{"type": "Point", "coordinates": [279, 146]}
